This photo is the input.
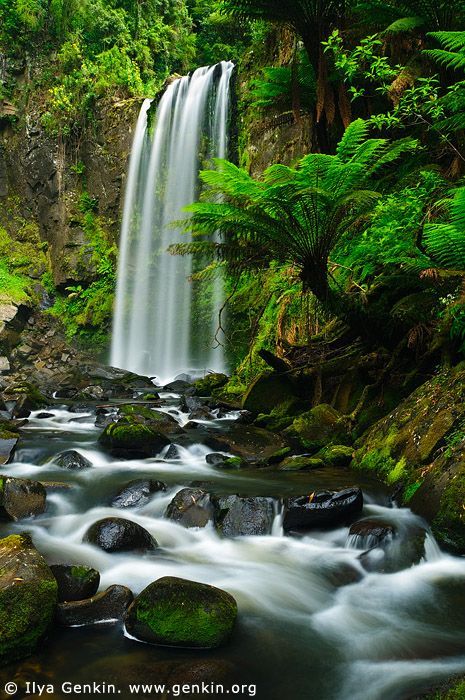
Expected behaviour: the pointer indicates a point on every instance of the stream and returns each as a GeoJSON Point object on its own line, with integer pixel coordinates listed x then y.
{"type": "Point", "coordinates": [313, 622]}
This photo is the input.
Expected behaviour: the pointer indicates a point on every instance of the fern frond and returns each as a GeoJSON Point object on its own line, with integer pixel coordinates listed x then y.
{"type": "Point", "coordinates": [448, 59]}
{"type": "Point", "coordinates": [404, 24]}
{"type": "Point", "coordinates": [353, 137]}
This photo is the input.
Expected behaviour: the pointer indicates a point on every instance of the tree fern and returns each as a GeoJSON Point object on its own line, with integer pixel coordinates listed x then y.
{"type": "Point", "coordinates": [294, 216]}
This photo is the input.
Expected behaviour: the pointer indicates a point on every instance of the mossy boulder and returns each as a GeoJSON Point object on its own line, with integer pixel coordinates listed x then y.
{"type": "Point", "coordinates": [419, 445]}
{"type": "Point", "coordinates": [320, 426]}
{"type": "Point", "coordinates": [75, 582]}
{"type": "Point", "coordinates": [247, 442]}
{"type": "Point", "coordinates": [181, 613]}
{"type": "Point", "coordinates": [139, 431]}
{"type": "Point", "coordinates": [28, 596]}
{"type": "Point", "coordinates": [336, 455]}
{"type": "Point", "coordinates": [299, 463]}
{"type": "Point", "coordinates": [209, 383]}
{"type": "Point", "coordinates": [268, 391]}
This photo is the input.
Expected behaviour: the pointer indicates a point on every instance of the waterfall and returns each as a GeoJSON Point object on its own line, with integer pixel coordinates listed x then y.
{"type": "Point", "coordinates": [161, 327]}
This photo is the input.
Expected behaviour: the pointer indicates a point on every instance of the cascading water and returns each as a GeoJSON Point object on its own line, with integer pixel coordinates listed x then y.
{"type": "Point", "coordinates": [158, 327]}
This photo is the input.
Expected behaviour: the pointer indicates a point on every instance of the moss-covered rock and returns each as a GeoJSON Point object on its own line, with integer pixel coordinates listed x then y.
{"type": "Point", "coordinates": [75, 582]}
{"type": "Point", "coordinates": [267, 392]}
{"type": "Point", "coordinates": [209, 383]}
{"type": "Point", "coordinates": [320, 426]}
{"type": "Point", "coordinates": [181, 613]}
{"type": "Point", "coordinates": [297, 463]}
{"type": "Point", "coordinates": [28, 596]}
{"type": "Point", "coordinates": [336, 455]}
{"type": "Point", "coordinates": [420, 445]}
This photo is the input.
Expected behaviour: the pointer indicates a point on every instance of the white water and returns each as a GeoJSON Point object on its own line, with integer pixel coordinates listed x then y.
{"type": "Point", "coordinates": [385, 636]}
{"type": "Point", "coordinates": [155, 331]}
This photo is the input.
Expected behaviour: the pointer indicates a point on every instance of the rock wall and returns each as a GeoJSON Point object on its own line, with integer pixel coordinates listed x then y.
{"type": "Point", "coordinates": [42, 178]}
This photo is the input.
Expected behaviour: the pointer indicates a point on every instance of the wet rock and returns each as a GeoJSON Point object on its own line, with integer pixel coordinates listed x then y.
{"type": "Point", "coordinates": [236, 516]}
{"type": "Point", "coordinates": [97, 393]}
{"type": "Point", "coordinates": [134, 439]}
{"type": "Point", "coordinates": [137, 493]}
{"type": "Point", "coordinates": [247, 441]}
{"type": "Point", "coordinates": [266, 392]}
{"type": "Point", "coordinates": [181, 613]}
{"type": "Point", "coordinates": [120, 535]}
{"type": "Point", "coordinates": [43, 415]}
{"type": "Point", "coordinates": [75, 582]}
{"type": "Point", "coordinates": [109, 606]}
{"type": "Point", "coordinates": [179, 386]}
{"type": "Point", "coordinates": [368, 533]}
{"type": "Point", "coordinates": [190, 507]}
{"type": "Point", "coordinates": [341, 574]}
{"type": "Point", "coordinates": [66, 393]}
{"type": "Point", "coordinates": [319, 427]}
{"type": "Point", "coordinates": [8, 442]}
{"type": "Point", "coordinates": [190, 403]}
{"type": "Point", "coordinates": [201, 413]}
{"type": "Point", "coordinates": [216, 458]}
{"type": "Point", "coordinates": [322, 509]}
{"type": "Point", "coordinates": [28, 595]}
{"type": "Point", "coordinates": [336, 455]}
{"type": "Point", "coordinates": [72, 460]}
{"type": "Point", "coordinates": [301, 463]}
{"type": "Point", "coordinates": [205, 386]}
{"type": "Point", "coordinates": [172, 453]}
{"type": "Point", "coordinates": [401, 550]}
{"type": "Point", "coordinates": [21, 498]}
{"type": "Point", "coordinates": [139, 431]}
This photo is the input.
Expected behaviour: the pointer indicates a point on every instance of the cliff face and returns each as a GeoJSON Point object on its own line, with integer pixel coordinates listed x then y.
{"type": "Point", "coordinates": [43, 178]}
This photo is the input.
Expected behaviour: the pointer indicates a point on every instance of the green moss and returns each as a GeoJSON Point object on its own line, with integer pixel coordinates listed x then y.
{"type": "Point", "coordinates": [301, 463]}
{"type": "Point", "coordinates": [186, 613]}
{"type": "Point", "coordinates": [206, 386]}
{"type": "Point", "coordinates": [449, 524]}
{"type": "Point", "coordinates": [411, 490]}
{"type": "Point", "coordinates": [134, 410]}
{"type": "Point", "coordinates": [26, 606]}
{"type": "Point", "coordinates": [81, 572]}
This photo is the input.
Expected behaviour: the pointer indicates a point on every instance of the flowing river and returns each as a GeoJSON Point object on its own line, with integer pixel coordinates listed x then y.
{"type": "Point", "coordinates": [313, 621]}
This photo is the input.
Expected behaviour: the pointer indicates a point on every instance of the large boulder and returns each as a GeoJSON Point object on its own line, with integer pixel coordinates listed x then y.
{"type": "Point", "coordinates": [336, 455]}
{"type": "Point", "coordinates": [107, 606]}
{"type": "Point", "coordinates": [180, 613]}
{"type": "Point", "coordinates": [322, 509]}
{"type": "Point", "coordinates": [75, 582]}
{"type": "Point", "coordinates": [21, 498]}
{"type": "Point", "coordinates": [420, 446]}
{"type": "Point", "coordinates": [236, 516]}
{"type": "Point", "coordinates": [120, 535]}
{"type": "Point", "coordinates": [266, 392]}
{"type": "Point", "coordinates": [72, 460]}
{"type": "Point", "coordinates": [137, 493]}
{"type": "Point", "coordinates": [320, 426]}
{"type": "Point", "coordinates": [139, 431]}
{"type": "Point", "coordinates": [299, 463]}
{"type": "Point", "coordinates": [28, 596]}
{"type": "Point", "coordinates": [191, 507]}
{"type": "Point", "coordinates": [212, 381]}
{"type": "Point", "coordinates": [247, 441]}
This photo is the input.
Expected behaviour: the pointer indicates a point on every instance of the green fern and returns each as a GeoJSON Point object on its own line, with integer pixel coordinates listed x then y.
{"type": "Point", "coordinates": [294, 216]}
{"type": "Point", "coordinates": [445, 242]}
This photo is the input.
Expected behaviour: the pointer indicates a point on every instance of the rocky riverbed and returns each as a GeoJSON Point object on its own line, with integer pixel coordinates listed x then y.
{"type": "Point", "coordinates": [169, 518]}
